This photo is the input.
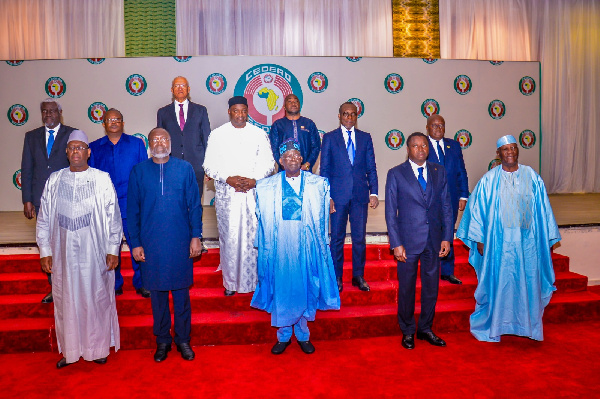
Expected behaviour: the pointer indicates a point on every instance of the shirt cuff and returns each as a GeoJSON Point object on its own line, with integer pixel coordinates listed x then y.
{"type": "Point", "coordinates": [113, 250]}
{"type": "Point", "coordinates": [462, 199]}
{"type": "Point", "coordinates": [45, 251]}
{"type": "Point", "coordinates": [374, 195]}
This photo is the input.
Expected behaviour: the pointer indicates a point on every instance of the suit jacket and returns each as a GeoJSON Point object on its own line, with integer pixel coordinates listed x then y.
{"type": "Point", "coordinates": [456, 173]}
{"type": "Point", "coordinates": [189, 144]}
{"type": "Point", "coordinates": [36, 166]}
{"type": "Point", "coordinates": [349, 182]}
{"type": "Point", "coordinates": [412, 215]}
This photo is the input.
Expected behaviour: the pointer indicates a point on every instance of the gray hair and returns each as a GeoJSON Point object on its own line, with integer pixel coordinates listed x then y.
{"type": "Point", "coordinates": [51, 100]}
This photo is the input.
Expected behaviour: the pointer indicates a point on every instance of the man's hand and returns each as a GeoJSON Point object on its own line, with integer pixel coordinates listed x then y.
{"type": "Point", "coordinates": [400, 254]}
{"type": "Point", "coordinates": [46, 264]}
{"type": "Point", "coordinates": [112, 261]}
{"type": "Point", "coordinates": [445, 250]}
{"type": "Point", "coordinates": [195, 247]}
{"type": "Point", "coordinates": [305, 166]}
{"type": "Point", "coordinates": [138, 254]}
{"type": "Point", "coordinates": [207, 178]}
{"type": "Point", "coordinates": [248, 184]}
{"type": "Point", "coordinates": [241, 184]}
{"type": "Point", "coordinates": [462, 204]}
{"type": "Point", "coordinates": [29, 210]}
{"type": "Point", "coordinates": [480, 248]}
{"type": "Point", "coordinates": [331, 206]}
{"type": "Point", "coordinates": [373, 202]}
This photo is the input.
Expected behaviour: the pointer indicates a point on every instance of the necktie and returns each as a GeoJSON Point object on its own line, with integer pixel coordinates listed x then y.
{"type": "Point", "coordinates": [50, 142]}
{"type": "Point", "coordinates": [181, 117]}
{"type": "Point", "coordinates": [441, 155]}
{"type": "Point", "coordinates": [350, 148]}
{"type": "Point", "coordinates": [421, 179]}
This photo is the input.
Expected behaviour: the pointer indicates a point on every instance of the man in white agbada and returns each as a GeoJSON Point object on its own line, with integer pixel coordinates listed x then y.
{"type": "Point", "coordinates": [79, 233]}
{"type": "Point", "coordinates": [237, 155]}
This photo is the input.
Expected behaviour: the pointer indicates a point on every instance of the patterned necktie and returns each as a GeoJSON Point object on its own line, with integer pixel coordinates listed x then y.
{"type": "Point", "coordinates": [421, 179]}
{"type": "Point", "coordinates": [441, 155]}
{"type": "Point", "coordinates": [50, 142]}
{"type": "Point", "coordinates": [181, 117]}
{"type": "Point", "coordinates": [350, 148]}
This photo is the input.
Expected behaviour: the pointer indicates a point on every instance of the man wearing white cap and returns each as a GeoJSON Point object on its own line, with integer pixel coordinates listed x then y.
{"type": "Point", "coordinates": [510, 228]}
{"type": "Point", "coordinates": [79, 234]}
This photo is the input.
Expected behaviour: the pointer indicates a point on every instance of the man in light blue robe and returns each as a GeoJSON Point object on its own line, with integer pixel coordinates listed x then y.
{"type": "Point", "coordinates": [510, 228]}
{"type": "Point", "coordinates": [295, 270]}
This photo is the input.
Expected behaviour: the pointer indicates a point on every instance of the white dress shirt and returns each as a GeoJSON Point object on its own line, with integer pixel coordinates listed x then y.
{"type": "Point", "coordinates": [416, 167]}
{"type": "Point", "coordinates": [185, 109]}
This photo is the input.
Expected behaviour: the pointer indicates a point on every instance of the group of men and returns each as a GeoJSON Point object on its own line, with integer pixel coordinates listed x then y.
{"type": "Point", "coordinates": [273, 231]}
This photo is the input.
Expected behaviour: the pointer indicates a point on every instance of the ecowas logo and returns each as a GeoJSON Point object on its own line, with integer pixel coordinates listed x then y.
{"type": "Point", "coordinates": [265, 86]}
{"type": "Point", "coordinates": [360, 106]}
{"type": "Point", "coordinates": [496, 62]}
{"type": "Point", "coordinates": [394, 139]}
{"type": "Point", "coordinates": [18, 115]}
{"type": "Point", "coordinates": [17, 179]}
{"type": "Point", "coordinates": [493, 163]}
{"type": "Point", "coordinates": [464, 138]}
{"type": "Point", "coordinates": [96, 61]}
{"type": "Point", "coordinates": [216, 83]}
{"type": "Point", "coordinates": [96, 112]}
{"type": "Point", "coordinates": [143, 138]}
{"type": "Point", "coordinates": [394, 83]}
{"type": "Point", "coordinates": [321, 134]}
{"type": "Point", "coordinates": [56, 87]}
{"type": "Point", "coordinates": [136, 84]}
{"type": "Point", "coordinates": [496, 109]}
{"type": "Point", "coordinates": [527, 85]}
{"type": "Point", "coordinates": [14, 62]}
{"type": "Point", "coordinates": [317, 82]}
{"type": "Point", "coordinates": [182, 58]}
{"type": "Point", "coordinates": [429, 60]}
{"type": "Point", "coordinates": [430, 107]}
{"type": "Point", "coordinates": [353, 59]}
{"type": "Point", "coordinates": [527, 139]}
{"type": "Point", "coordinates": [462, 84]}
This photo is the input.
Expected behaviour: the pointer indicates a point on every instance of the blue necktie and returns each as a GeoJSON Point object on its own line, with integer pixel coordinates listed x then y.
{"type": "Point", "coordinates": [350, 148]}
{"type": "Point", "coordinates": [50, 142]}
{"type": "Point", "coordinates": [441, 155]}
{"type": "Point", "coordinates": [421, 179]}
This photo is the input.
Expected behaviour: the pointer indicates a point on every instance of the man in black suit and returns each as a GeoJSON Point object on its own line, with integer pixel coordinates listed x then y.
{"type": "Point", "coordinates": [44, 152]}
{"type": "Point", "coordinates": [418, 214]}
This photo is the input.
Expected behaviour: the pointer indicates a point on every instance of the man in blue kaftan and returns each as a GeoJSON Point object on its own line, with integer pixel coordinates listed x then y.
{"type": "Point", "coordinates": [295, 270]}
{"type": "Point", "coordinates": [510, 228]}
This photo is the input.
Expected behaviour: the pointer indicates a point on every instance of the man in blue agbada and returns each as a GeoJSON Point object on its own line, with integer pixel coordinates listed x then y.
{"type": "Point", "coordinates": [510, 228]}
{"type": "Point", "coordinates": [295, 270]}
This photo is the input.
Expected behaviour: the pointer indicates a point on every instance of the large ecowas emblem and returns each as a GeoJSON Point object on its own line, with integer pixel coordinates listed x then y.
{"type": "Point", "coordinates": [496, 109]}
{"type": "Point", "coordinates": [136, 85]}
{"type": "Point", "coordinates": [96, 112]}
{"type": "Point", "coordinates": [394, 139]}
{"type": "Point", "coordinates": [55, 87]}
{"type": "Point", "coordinates": [17, 115]}
{"type": "Point", "coordinates": [216, 83]}
{"type": "Point", "coordinates": [462, 84]}
{"type": "Point", "coordinates": [394, 83]}
{"type": "Point", "coordinates": [527, 139]}
{"type": "Point", "coordinates": [265, 86]}
{"type": "Point", "coordinates": [527, 85]}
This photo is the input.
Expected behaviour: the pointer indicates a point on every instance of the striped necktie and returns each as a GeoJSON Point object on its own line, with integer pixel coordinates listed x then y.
{"type": "Point", "coordinates": [350, 148]}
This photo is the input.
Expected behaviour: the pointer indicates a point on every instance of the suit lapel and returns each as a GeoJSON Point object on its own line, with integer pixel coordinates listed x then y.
{"type": "Point", "coordinates": [59, 137]}
{"type": "Point", "coordinates": [431, 171]}
{"type": "Point", "coordinates": [339, 139]}
{"type": "Point", "coordinates": [411, 179]}
{"type": "Point", "coordinates": [191, 114]}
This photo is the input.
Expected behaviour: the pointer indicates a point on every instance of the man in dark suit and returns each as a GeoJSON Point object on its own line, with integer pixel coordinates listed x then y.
{"type": "Point", "coordinates": [418, 215]}
{"type": "Point", "coordinates": [348, 161]}
{"type": "Point", "coordinates": [447, 152]}
{"type": "Point", "coordinates": [44, 152]}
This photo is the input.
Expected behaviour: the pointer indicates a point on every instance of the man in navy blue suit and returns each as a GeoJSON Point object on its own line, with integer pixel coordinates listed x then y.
{"type": "Point", "coordinates": [447, 152]}
{"type": "Point", "coordinates": [418, 215]}
{"type": "Point", "coordinates": [348, 161]}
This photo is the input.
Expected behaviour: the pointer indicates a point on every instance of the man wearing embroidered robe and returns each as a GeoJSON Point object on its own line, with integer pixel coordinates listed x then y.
{"type": "Point", "coordinates": [295, 269]}
{"type": "Point", "coordinates": [79, 234]}
{"type": "Point", "coordinates": [238, 154]}
{"type": "Point", "coordinates": [510, 228]}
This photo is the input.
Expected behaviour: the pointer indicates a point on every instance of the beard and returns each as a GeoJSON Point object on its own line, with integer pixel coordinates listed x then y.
{"type": "Point", "coordinates": [160, 155]}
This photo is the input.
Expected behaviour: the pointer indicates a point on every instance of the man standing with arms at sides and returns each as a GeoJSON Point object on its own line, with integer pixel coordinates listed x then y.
{"type": "Point", "coordinates": [510, 228]}
{"type": "Point", "coordinates": [348, 161]}
{"type": "Point", "coordinates": [447, 152]}
{"type": "Point", "coordinates": [238, 155]}
{"type": "Point", "coordinates": [298, 128]}
{"type": "Point", "coordinates": [165, 225]}
{"type": "Point", "coordinates": [418, 215]}
{"type": "Point", "coordinates": [116, 154]}
{"type": "Point", "coordinates": [79, 234]}
{"type": "Point", "coordinates": [44, 152]}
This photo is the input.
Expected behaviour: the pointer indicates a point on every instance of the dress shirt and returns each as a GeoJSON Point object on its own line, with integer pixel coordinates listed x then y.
{"type": "Point", "coordinates": [55, 129]}
{"type": "Point", "coordinates": [295, 182]}
{"type": "Point", "coordinates": [185, 109]}
{"type": "Point", "coordinates": [416, 167]}
{"type": "Point", "coordinates": [435, 146]}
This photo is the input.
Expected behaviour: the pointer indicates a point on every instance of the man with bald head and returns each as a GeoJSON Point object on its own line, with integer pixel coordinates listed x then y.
{"type": "Point", "coordinates": [164, 218]}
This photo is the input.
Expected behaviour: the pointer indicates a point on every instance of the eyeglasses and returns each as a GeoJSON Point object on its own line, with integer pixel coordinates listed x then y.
{"type": "Point", "coordinates": [114, 120]}
{"type": "Point", "coordinates": [160, 140]}
{"type": "Point", "coordinates": [183, 85]}
{"type": "Point", "coordinates": [78, 148]}
{"type": "Point", "coordinates": [349, 114]}
{"type": "Point", "coordinates": [437, 126]}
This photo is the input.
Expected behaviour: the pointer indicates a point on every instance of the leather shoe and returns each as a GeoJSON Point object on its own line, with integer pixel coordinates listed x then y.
{"type": "Point", "coordinates": [408, 341]}
{"type": "Point", "coordinates": [360, 283]}
{"type": "Point", "coordinates": [431, 338]}
{"type": "Point", "coordinates": [451, 278]}
{"type": "Point", "coordinates": [204, 249]}
{"type": "Point", "coordinates": [62, 363]}
{"type": "Point", "coordinates": [228, 292]}
{"type": "Point", "coordinates": [340, 284]}
{"type": "Point", "coordinates": [143, 292]}
{"type": "Point", "coordinates": [102, 360]}
{"type": "Point", "coordinates": [119, 292]}
{"type": "Point", "coordinates": [161, 352]}
{"type": "Point", "coordinates": [279, 347]}
{"type": "Point", "coordinates": [186, 351]}
{"type": "Point", "coordinates": [48, 299]}
{"type": "Point", "coordinates": [307, 347]}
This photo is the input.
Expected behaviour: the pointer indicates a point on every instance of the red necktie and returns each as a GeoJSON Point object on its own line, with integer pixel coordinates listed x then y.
{"type": "Point", "coordinates": [181, 117]}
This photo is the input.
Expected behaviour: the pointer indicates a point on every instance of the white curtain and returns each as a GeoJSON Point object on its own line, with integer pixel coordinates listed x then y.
{"type": "Point", "coordinates": [564, 35]}
{"type": "Point", "coordinates": [56, 29]}
{"type": "Point", "coordinates": [285, 27]}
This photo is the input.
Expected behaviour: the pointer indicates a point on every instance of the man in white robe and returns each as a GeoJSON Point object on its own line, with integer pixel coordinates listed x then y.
{"type": "Point", "coordinates": [237, 155]}
{"type": "Point", "coordinates": [79, 233]}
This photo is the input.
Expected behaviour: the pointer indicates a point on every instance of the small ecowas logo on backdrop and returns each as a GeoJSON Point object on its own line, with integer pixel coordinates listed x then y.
{"type": "Point", "coordinates": [143, 138]}
{"type": "Point", "coordinates": [464, 138]}
{"type": "Point", "coordinates": [317, 82]}
{"type": "Point", "coordinates": [527, 85]}
{"type": "Point", "coordinates": [56, 87]}
{"type": "Point", "coordinates": [493, 163]}
{"type": "Point", "coordinates": [394, 83]}
{"type": "Point", "coordinates": [136, 84]}
{"type": "Point", "coordinates": [496, 62]}
{"type": "Point", "coordinates": [462, 84]}
{"type": "Point", "coordinates": [394, 139]}
{"type": "Point", "coordinates": [429, 60]}
{"type": "Point", "coordinates": [17, 179]}
{"type": "Point", "coordinates": [496, 109]}
{"type": "Point", "coordinates": [96, 61]}
{"type": "Point", "coordinates": [96, 112]}
{"type": "Point", "coordinates": [216, 83]}
{"type": "Point", "coordinates": [321, 134]}
{"type": "Point", "coordinates": [265, 86]}
{"type": "Point", "coordinates": [182, 58]}
{"type": "Point", "coordinates": [527, 139]}
{"type": "Point", "coordinates": [430, 107]}
{"type": "Point", "coordinates": [353, 59]}
{"type": "Point", "coordinates": [360, 106]}
{"type": "Point", "coordinates": [14, 62]}
{"type": "Point", "coordinates": [18, 115]}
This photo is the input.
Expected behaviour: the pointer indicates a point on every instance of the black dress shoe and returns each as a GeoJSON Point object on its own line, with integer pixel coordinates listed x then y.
{"type": "Point", "coordinates": [186, 351]}
{"type": "Point", "coordinates": [360, 283]}
{"type": "Point", "coordinates": [408, 341]}
{"type": "Point", "coordinates": [279, 347]}
{"type": "Point", "coordinates": [62, 363]}
{"type": "Point", "coordinates": [48, 299]}
{"type": "Point", "coordinates": [102, 360]}
{"type": "Point", "coordinates": [340, 284]}
{"type": "Point", "coordinates": [451, 278]}
{"type": "Point", "coordinates": [431, 338]}
{"type": "Point", "coordinates": [119, 292]}
{"type": "Point", "coordinates": [161, 352]}
{"type": "Point", "coordinates": [228, 292]}
{"type": "Point", "coordinates": [204, 249]}
{"type": "Point", "coordinates": [143, 292]}
{"type": "Point", "coordinates": [307, 347]}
